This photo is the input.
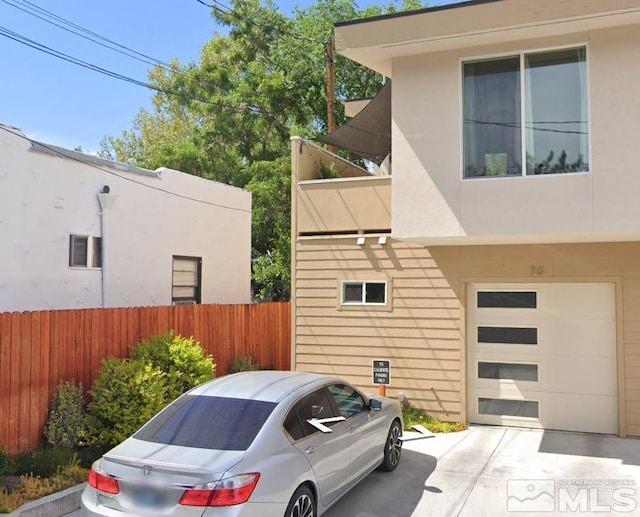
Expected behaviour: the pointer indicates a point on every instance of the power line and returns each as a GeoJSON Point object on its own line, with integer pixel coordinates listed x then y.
{"type": "Point", "coordinates": [112, 173]}
{"type": "Point", "coordinates": [110, 73]}
{"type": "Point", "coordinates": [68, 26]}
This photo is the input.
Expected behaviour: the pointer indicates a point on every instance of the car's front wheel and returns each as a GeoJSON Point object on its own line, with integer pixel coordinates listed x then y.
{"type": "Point", "coordinates": [392, 448]}
{"type": "Point", "coordinates": [302, 503]}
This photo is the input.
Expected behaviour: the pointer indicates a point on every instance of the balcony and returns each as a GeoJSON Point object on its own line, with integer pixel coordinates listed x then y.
{"type": "Point", "coordinates": [333, 196]}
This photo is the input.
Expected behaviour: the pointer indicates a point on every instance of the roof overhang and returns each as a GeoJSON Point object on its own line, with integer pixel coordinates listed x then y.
{"type": "Point", "coordinates": [375, 42]}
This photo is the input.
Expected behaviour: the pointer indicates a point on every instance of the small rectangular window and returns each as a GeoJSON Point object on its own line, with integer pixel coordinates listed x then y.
{"type": "Point", "coordinates": [511, 371]}
{"type": "Point", "coordinates": [186, 280]}
{"type": "Point", "coordinates": [78, 251]}
{"type": "Point", "coordinates": [373, 293]}
{"type": "Point", "coordinates": [508, 335]}
{"type": "Point", "coordinates": [505, 407]}
{"type": "Point", "coordinates": [507, 300]}
{"type": "Point", "coordinates": [85, 251]}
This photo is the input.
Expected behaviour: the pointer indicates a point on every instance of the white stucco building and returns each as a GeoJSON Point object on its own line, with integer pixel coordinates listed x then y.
{"type": "Point", "coordinates": [79, 231]}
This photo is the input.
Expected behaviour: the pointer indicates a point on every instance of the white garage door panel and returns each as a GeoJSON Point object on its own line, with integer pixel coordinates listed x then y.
{"type": "Point", "coordinates": [575, 357]}
{"type": "Point", "coordinates": [563, 374]}
{"type": "Point", "coordinates": [573, 334]}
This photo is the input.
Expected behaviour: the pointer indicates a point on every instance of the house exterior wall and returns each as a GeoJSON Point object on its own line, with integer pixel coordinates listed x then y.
{"type": "Point", "coordinates": [432, 204]}
{"type": "Point", "coordinates": [46, 198]}
{"type": "Point", "coordinates": [422, 333]}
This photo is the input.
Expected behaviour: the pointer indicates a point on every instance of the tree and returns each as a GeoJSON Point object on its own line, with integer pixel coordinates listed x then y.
{"type": "Point", "coordinates": [230, 117]}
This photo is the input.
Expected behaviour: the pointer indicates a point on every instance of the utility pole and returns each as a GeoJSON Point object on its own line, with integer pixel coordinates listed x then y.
{"type": "Point", "coordinates": [331, 90]}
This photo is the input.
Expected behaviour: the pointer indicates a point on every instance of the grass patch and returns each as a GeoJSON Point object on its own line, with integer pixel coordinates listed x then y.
{"type": "Point", "coordinates": [412, 416]}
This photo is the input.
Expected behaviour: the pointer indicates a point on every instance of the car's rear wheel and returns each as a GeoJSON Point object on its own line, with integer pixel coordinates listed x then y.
{"type": "Point", "coordinates": [392, 448]}
{"type": "Point", "coordinates": [302, 503]}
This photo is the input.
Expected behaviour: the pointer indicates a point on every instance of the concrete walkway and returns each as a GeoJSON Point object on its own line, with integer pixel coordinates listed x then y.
{"type": "Point", "coordinates": [503, 472]}
{"type": "Point", "coordinates": [494, 471]}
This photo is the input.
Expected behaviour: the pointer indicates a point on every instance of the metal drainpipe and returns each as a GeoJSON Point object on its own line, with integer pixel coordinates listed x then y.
{"type": "Point", "coordinates": [106, 200]}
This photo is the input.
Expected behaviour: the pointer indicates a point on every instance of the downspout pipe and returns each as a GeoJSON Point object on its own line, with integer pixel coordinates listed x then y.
{"type": "Point", "coordinates": [106, 200]}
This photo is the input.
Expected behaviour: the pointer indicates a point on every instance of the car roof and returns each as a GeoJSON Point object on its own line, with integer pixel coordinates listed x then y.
{"type": "Point", "coordinates": [266, 385]}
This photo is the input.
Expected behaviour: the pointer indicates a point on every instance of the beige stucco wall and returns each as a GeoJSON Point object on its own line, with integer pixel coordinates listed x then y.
{"type": "Point", "coordinates": [432, 204]}
{"type": "Point", "coordinates": [424, 332]}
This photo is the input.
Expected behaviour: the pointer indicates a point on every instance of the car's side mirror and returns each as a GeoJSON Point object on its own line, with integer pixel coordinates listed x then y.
{"type": "Point", "coordinates": [375, 405]}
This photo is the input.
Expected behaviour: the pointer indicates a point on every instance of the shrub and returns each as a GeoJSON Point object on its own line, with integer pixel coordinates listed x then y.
{"type": "Point", "coordinates": [412, 416]}
{"type": "Point", "coordinates": [126, 393]}
{"type": "Point", "coordinates": [65, 420]}
{"type": "Point", "coordinates": [34, 487]}
{"type": "Point", "coordinates": [9, 501]}
{"type": "Point", "coordinates": [7, 465]}
{"type": "Point", "coordinates": [182, 359]}
{"type": "Point", "coordinates": [44, 462]}
{"type": "Point", "coordinates": [243, 364]}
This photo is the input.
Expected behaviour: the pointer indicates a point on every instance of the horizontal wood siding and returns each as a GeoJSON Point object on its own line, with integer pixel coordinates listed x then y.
{"type": "Point", "coordinates": [38, 349]}
{"type": "Point", "coordinates": [423, 333]}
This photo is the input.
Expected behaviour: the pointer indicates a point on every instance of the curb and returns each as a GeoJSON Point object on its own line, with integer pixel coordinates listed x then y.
{"type": "Point", "coordinates": [54, 505]}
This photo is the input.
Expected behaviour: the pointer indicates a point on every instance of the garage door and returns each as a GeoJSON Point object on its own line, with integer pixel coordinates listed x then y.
{"type": "Point", "coordinates": [542, 355]}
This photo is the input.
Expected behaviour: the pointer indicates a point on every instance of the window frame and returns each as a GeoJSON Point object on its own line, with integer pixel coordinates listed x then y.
{"type": "Point", "coordinates": [90, 262]}
{"type": "Point", "coordinates": [521, 53]}
{"type": "Point", "coordinates": [187, 300]}
{"type": "Point", "coordinates": [363, 301]}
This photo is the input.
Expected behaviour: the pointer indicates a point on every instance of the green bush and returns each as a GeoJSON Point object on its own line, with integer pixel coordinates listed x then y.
{"type": "Point", "coordinates": [67, 412]}
{"type": "Point", "coordinates": [128, 392]}
{"type": "Point", "coordinates": [243, 364]}
{"type": "Point", "coordinates": [7, 465]}
{"type": "Point", "coordinates": [44, 462]}
{"type": "Point", "coordinates": [182, 360]}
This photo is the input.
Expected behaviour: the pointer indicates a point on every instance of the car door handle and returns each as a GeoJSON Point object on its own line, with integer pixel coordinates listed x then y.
{"type": "Point", "coordinates": [310, 450]}
{"type": "Point", "coordinates": [353, 429]}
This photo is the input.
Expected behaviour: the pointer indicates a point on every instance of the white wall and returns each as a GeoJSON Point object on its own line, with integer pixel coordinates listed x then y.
{"type": "Point", "coordinates": [45, 198]}
{"type": "Point", "coordinates": [431, 202]}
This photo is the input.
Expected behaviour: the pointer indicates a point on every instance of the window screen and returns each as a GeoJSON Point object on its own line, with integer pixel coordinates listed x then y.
{"type": "Point", "coordinates": [78, 251]}
{"type": "Point", "coordinates": [222, 423]}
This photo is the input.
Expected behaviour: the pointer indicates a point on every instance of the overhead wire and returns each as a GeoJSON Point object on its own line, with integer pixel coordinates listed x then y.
{"type": "Point", "coordinates": [68, 26]}
{"type": "Point", "coordinates": [112, 173]}
{"type": "Point", "coordinates": [7, 33]}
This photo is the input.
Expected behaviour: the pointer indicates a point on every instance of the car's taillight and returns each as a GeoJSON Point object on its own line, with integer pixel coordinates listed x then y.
{"type": "Point", "coordinates": [226, 492]}
{"type": "Point", "coordinates": [103, 483]}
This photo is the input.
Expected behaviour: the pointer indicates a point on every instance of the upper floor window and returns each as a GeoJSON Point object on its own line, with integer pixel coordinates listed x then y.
{"type": "Point", "coordinates": [85, 251]}
{"type": "Point", "coordinates": [532, 105]}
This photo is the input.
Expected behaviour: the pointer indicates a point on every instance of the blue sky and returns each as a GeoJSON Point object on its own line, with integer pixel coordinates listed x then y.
{"type": "Point", "coordinates": [60, 103]}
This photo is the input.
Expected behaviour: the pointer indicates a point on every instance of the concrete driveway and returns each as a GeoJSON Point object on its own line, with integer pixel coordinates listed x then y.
{"type": "Point", "coordinates": [494, 471]}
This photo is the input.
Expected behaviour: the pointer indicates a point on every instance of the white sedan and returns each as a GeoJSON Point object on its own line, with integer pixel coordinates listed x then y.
{"type": "Point", "coordinates": [258, 444]}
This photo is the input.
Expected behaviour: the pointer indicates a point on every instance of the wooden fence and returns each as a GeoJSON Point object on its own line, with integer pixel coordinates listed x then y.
{"type": "Point", "coordinates": [38, 349]}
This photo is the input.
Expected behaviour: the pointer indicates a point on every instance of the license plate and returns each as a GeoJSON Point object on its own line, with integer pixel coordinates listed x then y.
{"type": "Point", "coordinates": [149, 497]}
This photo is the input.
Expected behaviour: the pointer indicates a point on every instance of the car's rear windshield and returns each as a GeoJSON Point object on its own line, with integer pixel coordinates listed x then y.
{"type": "Point", "coordinates": [222, 423]}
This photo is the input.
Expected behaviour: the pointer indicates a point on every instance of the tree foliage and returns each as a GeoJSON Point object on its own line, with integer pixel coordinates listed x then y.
{"type": "Point", "coordinates": [229, 117]}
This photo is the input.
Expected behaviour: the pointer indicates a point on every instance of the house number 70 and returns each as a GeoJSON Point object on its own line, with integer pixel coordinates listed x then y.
{"type": "Point", "coordinates": [537, 270]}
